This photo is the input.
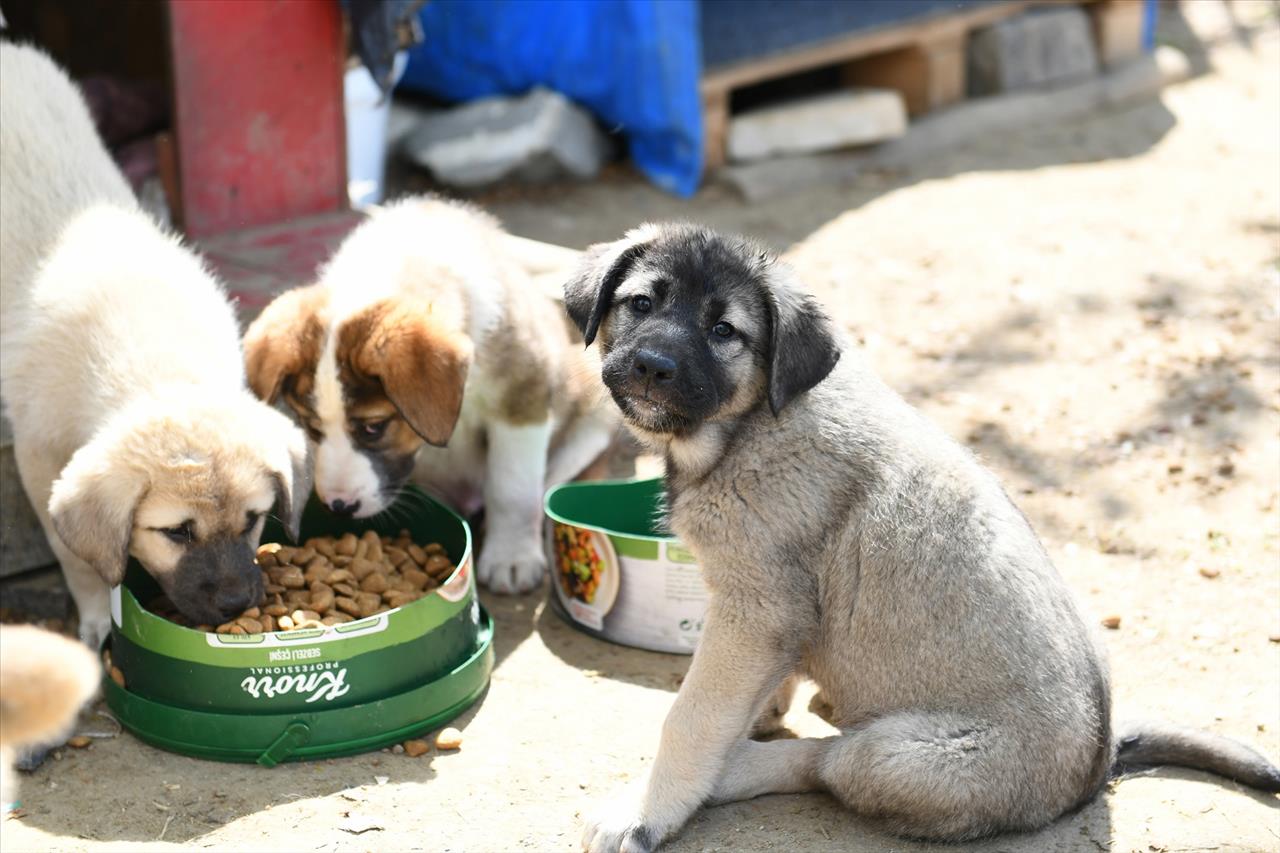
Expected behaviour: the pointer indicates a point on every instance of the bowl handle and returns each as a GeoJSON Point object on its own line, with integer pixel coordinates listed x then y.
{"type": "Point", "coordinates": [295, 735]}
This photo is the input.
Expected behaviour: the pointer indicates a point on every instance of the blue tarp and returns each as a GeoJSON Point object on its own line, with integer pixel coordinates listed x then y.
{"type": "Point", "coordinates": [633, 63]}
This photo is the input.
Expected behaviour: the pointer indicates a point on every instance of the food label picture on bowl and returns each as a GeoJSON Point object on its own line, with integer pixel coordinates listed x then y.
{"type": "Point", "coordinates": [639, 592]}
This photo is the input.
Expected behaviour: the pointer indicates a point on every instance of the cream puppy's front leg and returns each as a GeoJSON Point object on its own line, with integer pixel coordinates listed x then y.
{"type": "Point", "coordinates": [735, 670]}
{"type": "Point", "coordinates": [38, 469]}
{"type": "Point", "coordinates": [512, 559]}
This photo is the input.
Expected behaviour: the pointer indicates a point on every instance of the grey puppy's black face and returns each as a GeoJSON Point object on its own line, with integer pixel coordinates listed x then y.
{"type": "Point", "coordinates": [697, 327]}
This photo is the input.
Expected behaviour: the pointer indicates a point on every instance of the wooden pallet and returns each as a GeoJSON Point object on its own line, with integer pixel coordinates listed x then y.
{"type": "Point", "coordinates": [923, 59]}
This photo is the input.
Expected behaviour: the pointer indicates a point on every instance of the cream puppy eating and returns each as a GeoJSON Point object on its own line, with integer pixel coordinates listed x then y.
{"type": "Point", "coordinates": [120, 369]}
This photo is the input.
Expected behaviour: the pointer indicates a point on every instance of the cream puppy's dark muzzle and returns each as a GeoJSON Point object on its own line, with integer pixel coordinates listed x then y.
{"type": "Point", "coordinates": [215, 581]}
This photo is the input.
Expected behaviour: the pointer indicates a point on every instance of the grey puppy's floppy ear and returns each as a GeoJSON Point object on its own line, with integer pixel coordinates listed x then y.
{"type": "Point", "coordinates": [588, 294]}
{"type": "Point", "coordinates": [802, 345]}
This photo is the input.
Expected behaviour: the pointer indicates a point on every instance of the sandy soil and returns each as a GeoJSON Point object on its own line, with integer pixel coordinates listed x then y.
{"type": "Point", "coordinates": [1094, 308]}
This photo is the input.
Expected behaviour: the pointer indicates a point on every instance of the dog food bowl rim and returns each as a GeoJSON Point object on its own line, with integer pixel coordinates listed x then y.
{"type": "Point", "coordinates": [293, 743]}
{"type": "Point", "coordinates": [585, 485]}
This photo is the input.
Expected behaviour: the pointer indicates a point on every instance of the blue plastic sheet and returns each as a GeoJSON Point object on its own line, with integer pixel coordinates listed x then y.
{"type": "Point", "coordinates": [633, 63]}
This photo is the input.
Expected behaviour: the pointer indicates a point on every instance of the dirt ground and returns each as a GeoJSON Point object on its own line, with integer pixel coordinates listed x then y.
{"type": "Point", "coordinates": [1093, 307]}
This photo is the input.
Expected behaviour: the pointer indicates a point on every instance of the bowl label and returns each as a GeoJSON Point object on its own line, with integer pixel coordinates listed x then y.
{"type": "Point", "coordinates": [325, 681]}
{"type": "Point", "coordinates": [639, 592]}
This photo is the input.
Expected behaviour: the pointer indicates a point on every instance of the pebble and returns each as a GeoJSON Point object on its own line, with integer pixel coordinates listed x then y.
{"type": "Point", "coordinates": [1112, 622]}
{"type": "Point", "coordinates": [449, 738]}
{"type": "Point", "coordinates": [416, 748]}
{"type": "Point", "coordinates": [397, 750]}
{"type": "Point", "coordinates": [1209, 572]}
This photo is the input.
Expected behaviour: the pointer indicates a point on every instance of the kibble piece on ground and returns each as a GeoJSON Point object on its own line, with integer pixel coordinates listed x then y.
{"type": "Point", "coordinates": [449, 738]}
{"type": "Point", "coordinates": [415, 748]}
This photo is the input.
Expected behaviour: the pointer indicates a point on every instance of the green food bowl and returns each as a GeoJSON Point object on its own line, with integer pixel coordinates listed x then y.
{"type": "Point", "coordinates": [314, 693]}
{"type": "Point", "coordinates": [616, 574]}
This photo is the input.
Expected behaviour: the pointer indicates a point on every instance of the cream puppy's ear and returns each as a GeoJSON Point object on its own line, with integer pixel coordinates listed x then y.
{"type": "Point", "coordinates": [285, 340]}
{"type": "Point", "coordinates": [93, 503]}
{"type": "Point", "coordinates": [420, 360]}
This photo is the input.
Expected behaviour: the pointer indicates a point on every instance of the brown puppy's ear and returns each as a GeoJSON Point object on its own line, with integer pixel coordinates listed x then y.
{"type": "Point", "coordinates": [93, 504]}
{"type": "Point", "coordinates": [589, 294]}
{"type": "Point", "coordinates": [420, 360]}
{"type": "Point", "coordinates": [285, 340]}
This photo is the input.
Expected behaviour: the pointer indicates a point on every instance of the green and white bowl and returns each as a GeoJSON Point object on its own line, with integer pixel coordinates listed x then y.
{"type": "Point", "coordinates": [648, 590]}
{"type": "Point", "coordinates": [307, 694]}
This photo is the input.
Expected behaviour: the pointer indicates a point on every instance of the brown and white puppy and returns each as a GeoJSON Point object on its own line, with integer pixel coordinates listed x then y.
{"type": "Point", "coordinates": [426, 353]}
{"type": "Point", "coordinates": [134, 431]}
{"type": "Point", "coordinates": [44, 679]}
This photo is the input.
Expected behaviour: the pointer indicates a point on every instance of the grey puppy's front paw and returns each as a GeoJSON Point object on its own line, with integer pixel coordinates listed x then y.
{"type": "Point", "coordinates": [618, 829]}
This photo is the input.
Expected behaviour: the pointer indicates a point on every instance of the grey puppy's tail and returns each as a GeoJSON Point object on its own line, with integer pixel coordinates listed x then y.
{"type": "Point", "coordinates": [1149, 744]}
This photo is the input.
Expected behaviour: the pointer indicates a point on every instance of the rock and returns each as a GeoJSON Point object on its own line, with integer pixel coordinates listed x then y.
{"type": "Point", "coordinates": [1209, 572]}
{"type": "Point", "coordinates": [449, 738]}
{"type": "Point", "coordinates": [415, 748]}
{"type": "Point", "coordinates": [536, 137]}
{"type": "Point", "coordinates": [1041, 47]}
{"type": "Point", "coordinates": [1112, 622]}
{"type": "Point", "coordinates": [822, 123]}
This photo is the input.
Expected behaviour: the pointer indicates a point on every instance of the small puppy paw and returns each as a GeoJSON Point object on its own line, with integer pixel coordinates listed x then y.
{"type": "Point", "coordinates": [618, 829]}
{"type": "Point", "coordinates": [511, 570]}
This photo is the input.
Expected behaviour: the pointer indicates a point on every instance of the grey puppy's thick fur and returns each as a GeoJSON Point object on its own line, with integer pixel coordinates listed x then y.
{"type": "Point", "coordinates": [847, 539]}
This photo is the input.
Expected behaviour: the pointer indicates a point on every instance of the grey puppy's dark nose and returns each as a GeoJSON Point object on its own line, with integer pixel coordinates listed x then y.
{"type": "Point", "coordinates": [651, 366]}
{"type": "Point", "coordinates": [344, 508]}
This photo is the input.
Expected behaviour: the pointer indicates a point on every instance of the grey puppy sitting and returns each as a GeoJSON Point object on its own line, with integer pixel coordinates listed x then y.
{"type": "Point", "coordinates": [845, 538]}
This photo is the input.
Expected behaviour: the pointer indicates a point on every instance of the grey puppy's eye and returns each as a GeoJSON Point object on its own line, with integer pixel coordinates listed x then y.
{"type": "Point", "coordinates": [722, 329]}
{"type": "Point", "coordinates": [641, 303]}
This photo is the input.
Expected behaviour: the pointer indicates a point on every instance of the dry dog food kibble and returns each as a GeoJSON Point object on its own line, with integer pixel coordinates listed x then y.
{"type": "Point", "coordinates": [327, 581]}
{"type": "Point", "coordinates": [449, 738]}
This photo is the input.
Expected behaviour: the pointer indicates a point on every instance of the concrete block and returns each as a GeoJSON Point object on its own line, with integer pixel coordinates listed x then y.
{"type": "Point", "coordinates": [22, 542]}
{"type": "Point", "coordinates": [935, 134]}
{"type": "Point", "coordinates": [535, 137]}
{"type": "Point", "coordinates": [822, 123]}
{"type": "Point", "coordinates": [40, 594]}
{"type": "Point", "coordinates": [1039, 48]}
